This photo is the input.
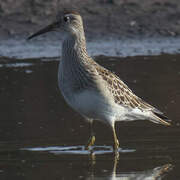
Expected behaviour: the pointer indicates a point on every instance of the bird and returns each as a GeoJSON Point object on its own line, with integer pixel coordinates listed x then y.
{"type": "Point", "coordinates": [93, 91]}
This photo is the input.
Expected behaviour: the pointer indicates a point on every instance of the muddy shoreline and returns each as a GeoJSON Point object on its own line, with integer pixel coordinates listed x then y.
{"type": "Point", "coordinates": [120, 18]}
{"type": "Point", "coordinates": [113, 28]}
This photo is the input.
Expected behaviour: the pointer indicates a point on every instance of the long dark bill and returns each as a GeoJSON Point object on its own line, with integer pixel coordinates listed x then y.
{"type": "Point", "coordinates": [48, 28]}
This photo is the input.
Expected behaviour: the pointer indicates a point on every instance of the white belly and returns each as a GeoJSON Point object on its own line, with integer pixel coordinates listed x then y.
{"type": "Point", "coordinates": [90, 104]}
{"type": "Point", "coordinates": [95, 106]}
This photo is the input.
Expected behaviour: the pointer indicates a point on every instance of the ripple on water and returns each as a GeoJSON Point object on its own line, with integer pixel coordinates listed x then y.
{"type": "Point", "coordinates": [78, 150]}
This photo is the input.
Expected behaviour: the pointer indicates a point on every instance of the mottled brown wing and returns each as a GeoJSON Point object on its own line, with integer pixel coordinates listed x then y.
{"type": "Point", "coordinates": [124, 96]}
{"type": "Point", "coordinates": [121, 93]}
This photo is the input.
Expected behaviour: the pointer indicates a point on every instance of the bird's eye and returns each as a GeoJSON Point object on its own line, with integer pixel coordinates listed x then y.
{"type": "Point", "coordinates": [66, 18]}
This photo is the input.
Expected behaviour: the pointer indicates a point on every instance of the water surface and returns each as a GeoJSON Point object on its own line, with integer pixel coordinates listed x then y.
{"type": "Point", "coordinates": [42, 138]}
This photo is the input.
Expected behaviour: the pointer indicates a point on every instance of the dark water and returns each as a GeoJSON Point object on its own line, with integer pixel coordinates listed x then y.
{"type": "Point", "coordinates": [42, 138]}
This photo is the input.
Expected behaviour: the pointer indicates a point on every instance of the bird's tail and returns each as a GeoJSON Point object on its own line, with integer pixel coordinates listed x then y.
{"type": "Point", "coordinates": [160, 119]}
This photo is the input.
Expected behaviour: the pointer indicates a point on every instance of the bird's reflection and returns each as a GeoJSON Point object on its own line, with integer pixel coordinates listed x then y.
{"type": "Point", "coordinates": [156, 173]}
{"type": "Point", "coordinates": [104, 164]}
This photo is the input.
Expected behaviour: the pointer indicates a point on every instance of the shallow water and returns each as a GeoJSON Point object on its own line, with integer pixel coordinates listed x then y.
{"type": "Point", "coordinates": [42, 138]}
{"type": "Point", "coordinates": [109, 46]}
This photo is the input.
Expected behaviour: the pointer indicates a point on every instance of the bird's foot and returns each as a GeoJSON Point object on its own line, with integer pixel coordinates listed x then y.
{"type": "Point", "coordinates": [90, 143]}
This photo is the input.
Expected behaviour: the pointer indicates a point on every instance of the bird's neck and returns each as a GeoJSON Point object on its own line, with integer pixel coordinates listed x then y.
{"type": "Point", "coordinates": [72, 67]}
{"type": "Point", "coordinates": [74, 48]}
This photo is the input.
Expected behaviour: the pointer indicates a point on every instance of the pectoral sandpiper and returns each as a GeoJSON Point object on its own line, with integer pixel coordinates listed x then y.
{"type": "Point", "coordinates": [90, 89]}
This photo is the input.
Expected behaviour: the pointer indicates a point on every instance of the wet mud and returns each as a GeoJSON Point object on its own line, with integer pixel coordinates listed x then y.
{"type": "Point", "coordinates": [42, 138]}
{"type": "Point", "coordinates": [129, 18]}
{"type": "Point", "coordinates": [112, 27]}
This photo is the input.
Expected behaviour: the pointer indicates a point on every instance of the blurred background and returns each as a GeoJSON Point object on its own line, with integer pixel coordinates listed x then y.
{"type": "Point", "coordinates": [113, 27]}
{"type": "Point", "coordinates": [129, 18]}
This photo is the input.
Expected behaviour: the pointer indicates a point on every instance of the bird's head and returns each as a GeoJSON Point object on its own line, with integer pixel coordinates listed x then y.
{"type": "Point", "coordinates": [69, 21]}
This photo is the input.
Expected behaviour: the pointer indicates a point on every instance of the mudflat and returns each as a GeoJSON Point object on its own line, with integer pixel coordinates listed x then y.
{"type": "Point", "coordinates": [122, 18]}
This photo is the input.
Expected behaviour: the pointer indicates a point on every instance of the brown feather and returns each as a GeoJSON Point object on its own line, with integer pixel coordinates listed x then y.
{"type": "Point", "coordinates": [124, 96]}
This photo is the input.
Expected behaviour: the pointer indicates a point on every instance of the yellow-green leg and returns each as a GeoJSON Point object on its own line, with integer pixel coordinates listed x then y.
{"type": "Point", "coordinates": [92, 138]}
{"type": "Point", "coordinates": [116, 142]}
